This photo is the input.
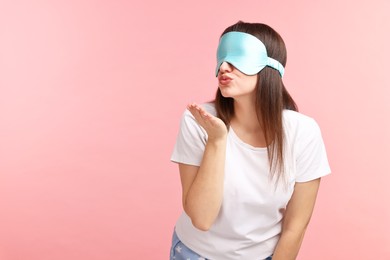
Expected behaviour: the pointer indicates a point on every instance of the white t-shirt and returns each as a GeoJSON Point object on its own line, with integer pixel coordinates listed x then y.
{"type": "Point", "coordinates": [249, 222]}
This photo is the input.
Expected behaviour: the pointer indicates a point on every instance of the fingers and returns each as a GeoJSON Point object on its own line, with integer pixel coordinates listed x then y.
{"type": "Point", "coordinates": [214, 126]}
{"type": "Point", "coordinates": [197, 110]}
{"type": "Point", "coordinates": [196, 107]}
{"type": "Point", "coordinates": [200, 114]}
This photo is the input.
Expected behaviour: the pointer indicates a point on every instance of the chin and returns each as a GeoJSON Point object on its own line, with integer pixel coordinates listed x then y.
{"type": "Point", "coordinates": [225, 93]}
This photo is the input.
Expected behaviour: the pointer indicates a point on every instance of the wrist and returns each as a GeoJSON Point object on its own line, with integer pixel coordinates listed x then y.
{"type": "Point", "coordinates": [217, 139]}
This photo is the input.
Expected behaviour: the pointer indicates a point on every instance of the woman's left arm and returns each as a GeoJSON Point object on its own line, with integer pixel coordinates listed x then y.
{"type": "Point", "coordinates": [296, 219]}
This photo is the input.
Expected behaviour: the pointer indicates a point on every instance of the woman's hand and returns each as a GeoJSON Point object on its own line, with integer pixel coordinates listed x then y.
{"type": "Point", "coordinates": [214, 126]}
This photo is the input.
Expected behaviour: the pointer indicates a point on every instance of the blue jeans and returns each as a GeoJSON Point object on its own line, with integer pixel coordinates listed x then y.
{"type": "Point", "coordinates": [179, 251]}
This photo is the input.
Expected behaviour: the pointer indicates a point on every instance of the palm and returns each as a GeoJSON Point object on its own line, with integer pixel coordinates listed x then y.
{"type": "Point", "coordinates": [214, 126]}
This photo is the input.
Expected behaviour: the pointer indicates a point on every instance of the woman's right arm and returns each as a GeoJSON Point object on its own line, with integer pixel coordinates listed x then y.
{"type": "Point", "coordinates": [202, 187]}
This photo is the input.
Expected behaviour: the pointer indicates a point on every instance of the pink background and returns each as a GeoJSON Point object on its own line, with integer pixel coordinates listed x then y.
{"type": "Point", "coordinates": [91, 93]}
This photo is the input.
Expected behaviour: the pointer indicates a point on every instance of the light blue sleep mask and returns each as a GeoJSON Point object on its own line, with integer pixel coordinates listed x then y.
{"type": "Point", "coordinates": [245, 52]}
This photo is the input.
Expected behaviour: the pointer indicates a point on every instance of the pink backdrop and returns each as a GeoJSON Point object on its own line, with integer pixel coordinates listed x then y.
{"type": "Point", "coordinates": [91, 93]}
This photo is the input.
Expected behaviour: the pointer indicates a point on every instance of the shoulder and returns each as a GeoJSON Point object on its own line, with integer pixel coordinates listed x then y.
{"type": "Point", "coordinates": [304, 135]}
{"type": "Point", "coordinates": [299, 121]}
{"type": "Point", "coordinates": [210, 107]}
{"type": "Point", "coordinates": [300, 128]}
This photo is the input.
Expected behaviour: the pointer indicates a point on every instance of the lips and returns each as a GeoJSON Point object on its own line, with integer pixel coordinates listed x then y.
{"type": "Point", "coordinates": [224, 79]}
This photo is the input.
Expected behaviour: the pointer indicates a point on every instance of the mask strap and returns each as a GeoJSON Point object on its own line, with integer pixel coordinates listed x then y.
{"type": "Point", "coordinates": [275, 65]}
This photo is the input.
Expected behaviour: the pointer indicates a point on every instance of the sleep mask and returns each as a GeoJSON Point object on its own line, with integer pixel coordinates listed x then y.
{"type": "Point", "coordinates": [245, 52]}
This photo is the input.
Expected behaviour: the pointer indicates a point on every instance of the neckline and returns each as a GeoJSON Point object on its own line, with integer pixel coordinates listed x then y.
{"type": "Point", "coordinates": [242, 143]}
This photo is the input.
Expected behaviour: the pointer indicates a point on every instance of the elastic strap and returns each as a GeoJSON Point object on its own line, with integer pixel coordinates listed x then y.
{"type": "Point", "coordinates": [275, 65]}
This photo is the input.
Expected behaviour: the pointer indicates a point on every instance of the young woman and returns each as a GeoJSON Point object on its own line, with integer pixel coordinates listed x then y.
{"type": "Point", "coordinates": [250, 164]}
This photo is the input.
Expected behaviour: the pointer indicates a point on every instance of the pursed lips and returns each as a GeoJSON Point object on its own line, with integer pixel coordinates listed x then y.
{"type": "Point", "coordinates": [224, 79]}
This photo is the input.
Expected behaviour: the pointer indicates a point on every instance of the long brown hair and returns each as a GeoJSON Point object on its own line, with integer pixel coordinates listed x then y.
{"type": "Point", "coordinates": [271, 95]}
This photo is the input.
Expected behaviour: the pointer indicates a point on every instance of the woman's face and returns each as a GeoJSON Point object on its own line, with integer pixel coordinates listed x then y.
{"type": "Point", "coordinates": [235, 84]}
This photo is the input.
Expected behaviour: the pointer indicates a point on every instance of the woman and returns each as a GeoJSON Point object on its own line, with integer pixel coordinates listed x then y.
{"type": "Point", "coordinates": [250, 164]}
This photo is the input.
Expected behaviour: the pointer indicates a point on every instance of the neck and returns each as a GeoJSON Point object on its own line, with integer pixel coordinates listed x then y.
{"type": "Point", "coordinates": [245, 116]}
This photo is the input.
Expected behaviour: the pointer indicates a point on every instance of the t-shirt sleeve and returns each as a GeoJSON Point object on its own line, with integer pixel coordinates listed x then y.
{"type": "Point", "coordinates": [312, 161]}
{"type": "Point", "coordinates": [190, 142]}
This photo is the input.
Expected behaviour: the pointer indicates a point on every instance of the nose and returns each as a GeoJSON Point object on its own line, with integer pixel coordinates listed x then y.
{"type": "Point", "coordinates": [225, 67]}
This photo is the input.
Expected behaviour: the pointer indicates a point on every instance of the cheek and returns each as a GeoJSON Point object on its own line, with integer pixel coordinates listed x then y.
{"type": "Point", "coordinates": [254, 77]}
{"type": "Point", "coordinates": [252, 81]}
